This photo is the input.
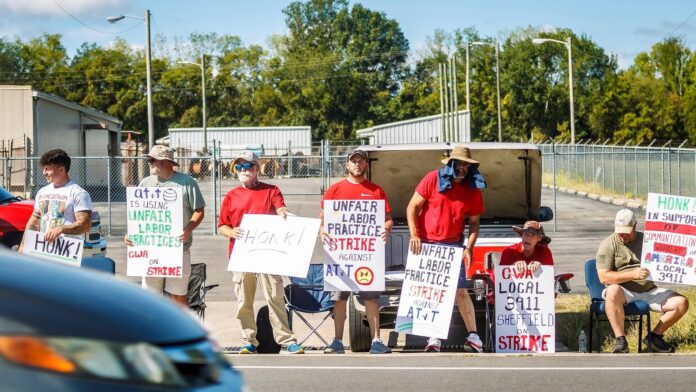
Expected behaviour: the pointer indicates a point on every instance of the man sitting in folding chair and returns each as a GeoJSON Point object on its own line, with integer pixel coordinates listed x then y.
{"type": "Point", "coordinates": [618, 267]}
{"type": "Point", "coordinates": [307, 295]}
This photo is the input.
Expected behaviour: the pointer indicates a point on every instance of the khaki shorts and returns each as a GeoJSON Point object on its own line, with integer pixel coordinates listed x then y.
{"type": "Point", "coordinates": [175, 286]}
{"type": "Point", "coordinates": [363, 295]}
{"type": "Point", "coordinates": [654, 298]}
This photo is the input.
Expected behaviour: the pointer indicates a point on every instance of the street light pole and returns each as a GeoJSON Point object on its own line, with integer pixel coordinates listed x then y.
{"type": "Point", "coordinates": [569, 45]}
{"type": "Point", "coordinates": [205, 117]}
{"type": "Point", "coordinates": [496, 46]}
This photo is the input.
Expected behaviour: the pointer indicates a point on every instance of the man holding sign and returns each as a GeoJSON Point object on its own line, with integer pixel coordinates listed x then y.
{"type": "Point", "coordinates": [437, 214]}
{"type": "Point", "coordinates": [255, 197]}
{"type": "Point", "coordinates": [357, 187]}
{"type": "Point", "coordinates": [62, 206]}
{"type": "Point", "coordinates": [162, 174]}
{"type": "Point", "coordinates": [532, 252]}
{"type": "Point", "coordinates": [618, 267]}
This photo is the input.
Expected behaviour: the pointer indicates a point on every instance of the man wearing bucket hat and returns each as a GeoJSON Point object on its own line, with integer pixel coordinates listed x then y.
{"type": "Point", "coordinates": [162, 174]}
{"type": "Point", "coordinates": [255, 197]}
{"type": "Point", "coordinates": [437, 214]}
{"type": "Point", "coordinates": [532, 252]}
{"type": "Point", "coordinates": [618, 267]}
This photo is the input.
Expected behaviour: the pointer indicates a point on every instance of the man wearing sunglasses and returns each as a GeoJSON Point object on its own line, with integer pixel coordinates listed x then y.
{"type": "Point", "coordinates": [255, 197]}
{"type": "Point", "coordinates": [162, 174]}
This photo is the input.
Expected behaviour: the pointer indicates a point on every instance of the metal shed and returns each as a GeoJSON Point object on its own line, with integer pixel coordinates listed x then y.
{"type": "Point", "coordinates": [430, 129]}
{"type": "Point", "coordinates": [274, 140]}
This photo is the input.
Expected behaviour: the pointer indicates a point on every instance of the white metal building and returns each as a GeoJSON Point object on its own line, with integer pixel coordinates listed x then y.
{"type": "Point", "coordinates": [274, 140]}
{"type": "Point", "coordinates": [420, 130]}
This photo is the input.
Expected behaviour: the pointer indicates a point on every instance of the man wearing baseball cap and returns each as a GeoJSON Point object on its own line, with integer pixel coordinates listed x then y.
{"type": "Point", "coordinates": [618, 267]}
{"type": "Point", "coordinates": [532, 252]}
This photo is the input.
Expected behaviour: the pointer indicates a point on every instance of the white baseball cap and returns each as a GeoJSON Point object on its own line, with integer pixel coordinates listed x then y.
{"type": "Point", "coordinates": [625, 221]}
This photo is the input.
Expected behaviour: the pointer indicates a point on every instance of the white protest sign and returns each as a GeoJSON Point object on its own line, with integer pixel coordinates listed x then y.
{"type": "Point", "coordinates": [273, 245]}
{"type": "Point", "coordinates": [354, 253]}
{"type": "Point", "coordinates": [155, 222]}
{"type": "Point", "coordinates": [525, 313]}
{"type": "Point", "coordinates": [65, 249]}
{"type": "Point", "coordinates": [669, 239]}
{"type": "Point", "coordinates": [429, 290]}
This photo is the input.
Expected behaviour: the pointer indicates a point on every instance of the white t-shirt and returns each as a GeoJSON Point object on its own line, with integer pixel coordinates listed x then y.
{"type": "Point", "coordinates": [57, 206]}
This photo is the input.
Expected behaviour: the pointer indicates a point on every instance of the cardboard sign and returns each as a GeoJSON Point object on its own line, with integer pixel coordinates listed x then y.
{"type": "Point", "coordinates": [273, 245]}
{"type": "Point", "coordinates": [354, 253]}
{"type": "Point", "coordinates": [525, 314]}
{"type": "Point", "coordinates": [65, 249]}
{"type": "Point", "coordinates": [669, 239]}
{"type": "Point", "coordinates": [155, 222]}
{"type": "Point", "coordinates": [429, 290]}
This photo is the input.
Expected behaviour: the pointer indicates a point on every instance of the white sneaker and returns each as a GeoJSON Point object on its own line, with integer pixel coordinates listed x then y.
{"type": "Point", "coordinates": [473, 343]}
{"type": "Point", "coordinates": [433, 345]}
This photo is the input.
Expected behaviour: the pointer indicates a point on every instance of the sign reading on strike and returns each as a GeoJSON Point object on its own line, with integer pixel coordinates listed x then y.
{"type": "Point", "coordinates": [155, 222]}
{"type": "Point", "coordinates": [354, 251]}
{"type": "Point", "coordinates": [669, 239]}
{"type": "Point", "coordinates": [273, 245]}
{"type": "Point", "coordinates": [65, 249]}
{"type": "Point", "coordinates": [525, 314]}
{"type": "Point", "coordinates": [429, 289]}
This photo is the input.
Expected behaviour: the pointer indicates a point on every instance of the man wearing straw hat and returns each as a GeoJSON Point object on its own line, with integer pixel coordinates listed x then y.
{"type": "Point", "coordinates": [530, 253]}
{"type": "Point", "coordinates": [437, 214]}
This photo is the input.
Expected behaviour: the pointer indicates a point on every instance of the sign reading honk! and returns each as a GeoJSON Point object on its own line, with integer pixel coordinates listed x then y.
{"type": "Point", "coordinates": [65, 249]}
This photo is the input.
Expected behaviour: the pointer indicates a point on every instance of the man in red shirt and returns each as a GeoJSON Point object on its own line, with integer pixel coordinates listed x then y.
{"type": "Point", "coordinates": [437, 214]}
{"type": "Point", "coordinates": [356, 187]}
{"type": "Point", "coordinates": [254, 197]}
{"type": "Point", "coordinates": [532, 252]}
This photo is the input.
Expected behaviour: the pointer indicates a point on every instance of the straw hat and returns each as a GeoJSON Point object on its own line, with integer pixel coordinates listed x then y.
{"type": "Point", "coordinates": [535, 228]}
{"type": "Point", "coordinates": [461, 154]}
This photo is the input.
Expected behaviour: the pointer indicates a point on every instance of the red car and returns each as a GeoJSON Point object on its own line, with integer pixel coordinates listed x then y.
{"type": "Point", "coordinates": [14, 215]}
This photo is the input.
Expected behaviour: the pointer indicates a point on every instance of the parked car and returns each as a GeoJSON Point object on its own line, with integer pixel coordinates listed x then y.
{"type": "Point", "coordinates": [70, 329]}
{"type": "Point", "coordinates": [513, 174]}
{"type": "Point", "coordinates": [14, 215]}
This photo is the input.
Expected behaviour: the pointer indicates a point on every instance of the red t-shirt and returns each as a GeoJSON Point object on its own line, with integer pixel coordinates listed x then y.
{"type": "Point", "coordinates": [346, 190]}
{"type": "Point", "coordinates": [262, 199]}
{"type": "Point", "coordinates": [443, 215]}
{"type": "Point", "coordinates": [513, 254]}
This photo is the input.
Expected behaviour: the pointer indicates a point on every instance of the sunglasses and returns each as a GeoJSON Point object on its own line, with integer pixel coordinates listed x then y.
{"type": "Point", "coordinates": [151, 160]}
{"type": "Point", "coordinates": [245, 166]}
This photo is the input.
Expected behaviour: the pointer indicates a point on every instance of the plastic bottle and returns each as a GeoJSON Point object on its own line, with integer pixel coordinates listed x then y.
{"type": "Point", "coordinates": [582, 342]}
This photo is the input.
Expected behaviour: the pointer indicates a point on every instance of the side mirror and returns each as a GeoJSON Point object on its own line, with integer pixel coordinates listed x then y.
{"type": "Point", "coordinates": [545, 214]}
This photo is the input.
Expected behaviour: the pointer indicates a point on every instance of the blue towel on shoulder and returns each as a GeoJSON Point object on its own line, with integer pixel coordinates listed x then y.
{"type": "Point", "coordinates": [446, 174]}
{"type": "Point", "coordinates": [477, 180]}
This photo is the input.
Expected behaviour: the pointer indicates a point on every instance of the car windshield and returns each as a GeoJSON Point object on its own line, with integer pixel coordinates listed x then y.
{"type": "Point", "coordinates": [6, 196]}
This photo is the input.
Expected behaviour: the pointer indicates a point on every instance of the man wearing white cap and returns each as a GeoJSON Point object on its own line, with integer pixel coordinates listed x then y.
{"type": "Point", "coordinates": [162, 174]}
{"type": "Point", "coordinates": [618, 267]}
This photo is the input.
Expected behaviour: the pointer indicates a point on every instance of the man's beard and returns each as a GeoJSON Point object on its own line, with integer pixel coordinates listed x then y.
{"type": "Point", "coordinates": [154, 170]}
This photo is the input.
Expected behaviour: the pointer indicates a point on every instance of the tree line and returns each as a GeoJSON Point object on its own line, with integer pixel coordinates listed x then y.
{"type": "Point", "coordinates": [341, 67]}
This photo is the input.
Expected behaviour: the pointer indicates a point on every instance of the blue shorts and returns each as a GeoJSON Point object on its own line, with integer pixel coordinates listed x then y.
{"type": "Point", "coordinates": [462, 283]}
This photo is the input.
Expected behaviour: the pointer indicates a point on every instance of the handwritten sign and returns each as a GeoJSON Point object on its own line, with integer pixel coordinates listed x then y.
{"type": "Point", "coordinates": [273, 245]}
{"type": "Point", "coordinates": [65, 249]}
{"type": "Point", "coordinates": [155, 222]}
{"type": "Point", "coordinates": [429, 290]}
{"type": "Point", "coordinates": [525, 314]}
{"type": "Point", "coordinates": [354, 254]}
{"type": "Point", "coordinates": [669, 239]}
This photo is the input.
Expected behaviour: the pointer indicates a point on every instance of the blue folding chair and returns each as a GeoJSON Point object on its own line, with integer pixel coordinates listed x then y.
{"type": "Point", "coordinates": [635, 311]}
{"type": "Point", "coordinates": [307, 295]}
{"type": "Point", "coordinates": [99, 263]}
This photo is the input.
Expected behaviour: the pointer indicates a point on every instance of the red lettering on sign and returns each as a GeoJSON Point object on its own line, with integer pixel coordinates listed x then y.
{"type": "Point", "coordinates": [669, 248]}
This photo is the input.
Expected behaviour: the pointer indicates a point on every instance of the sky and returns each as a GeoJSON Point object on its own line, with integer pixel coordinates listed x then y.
{"type": "Point", "coordinates": [622, 27]}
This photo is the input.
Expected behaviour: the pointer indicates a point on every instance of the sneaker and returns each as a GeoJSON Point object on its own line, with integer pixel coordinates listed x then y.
{"type": "Point", "coordinates": [336, 347]}
{"type": "Point", "coordinates": [620, 345]}
{"type": "Point", "coordinates": [473, 343]}
{"type": "Point", "coordinates": [433, 345]}
{"type": "Point", "coordinates": [292, 348]}
{"type": "Point", "coordinates": [379, 348]}
{"type": "Point", "coordinates": [657, 344]}
{"type": "Point", "coordinates": [248, 349]}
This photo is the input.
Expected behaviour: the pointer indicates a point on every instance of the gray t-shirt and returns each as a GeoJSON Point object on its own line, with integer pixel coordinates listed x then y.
{"type": "Point", "coordinates": [192, 196]}
{"type": "Point", "coordinates": [614, 255]}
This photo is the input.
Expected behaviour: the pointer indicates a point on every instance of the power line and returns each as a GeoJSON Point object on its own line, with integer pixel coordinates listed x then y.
{"type": "Point", "coordinates": [88, 26]}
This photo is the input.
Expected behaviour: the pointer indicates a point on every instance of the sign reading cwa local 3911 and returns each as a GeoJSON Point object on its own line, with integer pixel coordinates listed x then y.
{"type": "Point", "coordinates": [669, 239]}
{"type": "Point", "coordinates": [427, 295]}
{"type": "Point", "coordinates": [354, 250]}
{"type": "Point", "coordinates": [155, 222]}
{"type": "Point", "coordinates": [65, 249]}
{"type": "Point", "coordinates": [525, 316]}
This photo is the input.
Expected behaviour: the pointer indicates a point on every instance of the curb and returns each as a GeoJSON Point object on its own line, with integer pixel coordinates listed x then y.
{"type": "Point", "coordinates": [634, 204]}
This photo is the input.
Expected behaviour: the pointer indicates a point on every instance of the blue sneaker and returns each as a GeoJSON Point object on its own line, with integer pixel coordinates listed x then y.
{"type": "Point", "coordinates": [379, 348]}
{"type": "Point", "coordinates": [292, 348]}
{"type": "Point", "coordinates": [336, 347]}
{"type": "Point", "coordinates": [248, 349]}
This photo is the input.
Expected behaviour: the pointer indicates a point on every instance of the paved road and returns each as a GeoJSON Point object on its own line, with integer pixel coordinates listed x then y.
{"type": "Point", "coordinates": [487, 372]}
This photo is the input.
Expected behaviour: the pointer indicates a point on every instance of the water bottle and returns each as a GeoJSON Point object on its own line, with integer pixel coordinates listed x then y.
{"type": "Point", "coordinates": [582, 342]}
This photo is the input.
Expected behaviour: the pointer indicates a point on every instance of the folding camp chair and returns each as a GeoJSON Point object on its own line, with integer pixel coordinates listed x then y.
{"type": "Point", "coordinates": [197, 289]}
{"type": "Point", "coordinates": [307, 295]}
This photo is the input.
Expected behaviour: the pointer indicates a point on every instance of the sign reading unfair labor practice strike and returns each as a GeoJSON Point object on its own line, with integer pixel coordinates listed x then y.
{"type": "Point", "coordinates": [669, 239]}
{"type": "Point", "coordinates": [354, 251]}
{"type": "Point", "coordinates": [65, 249]}
{"type": "Point", "coordinates": [429, 289]}
{"type": "Point", "coordinates": [155, 222]}
{"type": "Point", "coordinates": [525, 315]}
{"type": "Point", "coordinates": [273, 245]}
